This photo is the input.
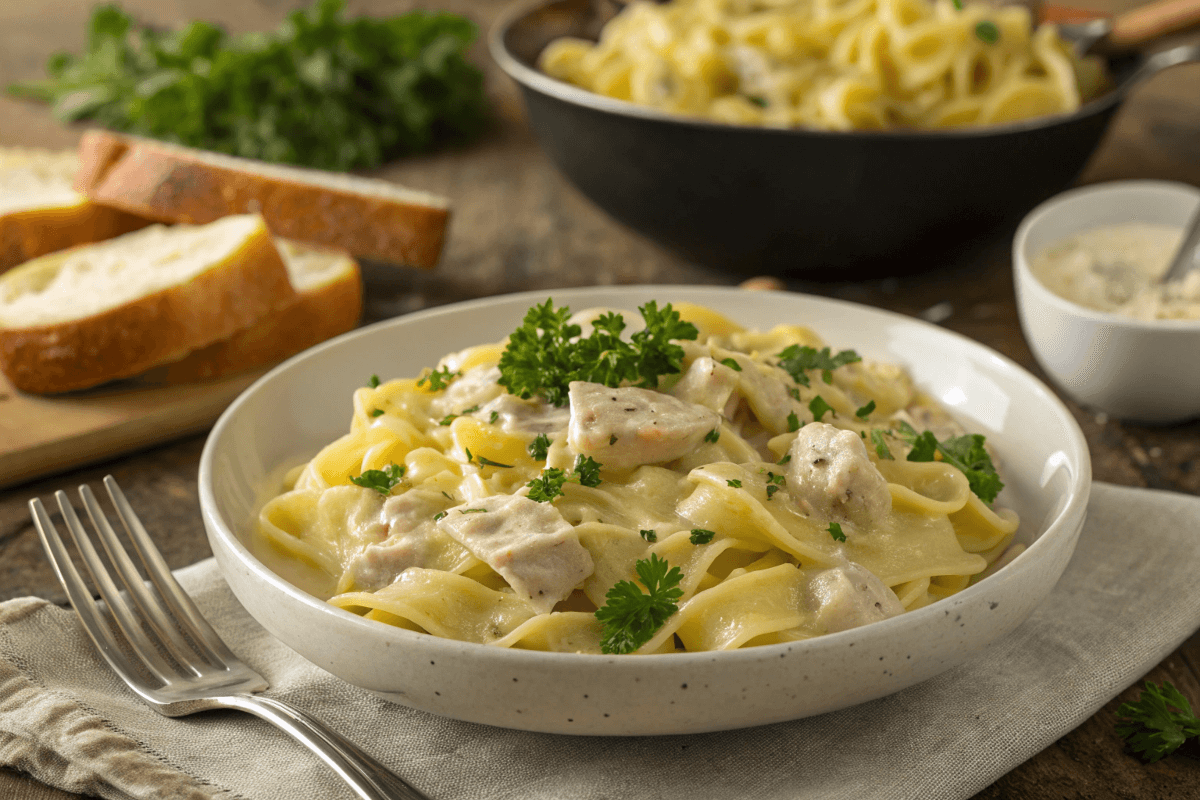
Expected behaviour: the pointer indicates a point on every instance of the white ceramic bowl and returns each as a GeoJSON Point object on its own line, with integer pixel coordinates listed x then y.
{"type": "Point", "coordinates": [303, 404]}
{"type": "Point", "coordinates": [1147, 371]}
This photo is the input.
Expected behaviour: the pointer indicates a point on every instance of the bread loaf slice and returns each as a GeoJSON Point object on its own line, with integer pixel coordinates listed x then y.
{"type": "Point", "coordinates": [95, 313]}
{"type": "Point", "coordinates": [40, 212]}
{"type": "Point", "coordinates": [169, 183]}
{"type": "Point", "coordinates": [328, 301]}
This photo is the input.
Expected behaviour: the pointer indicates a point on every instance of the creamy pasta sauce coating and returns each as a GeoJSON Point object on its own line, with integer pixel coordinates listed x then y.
{"type": "Point", "coordinates": [833, 64]}
{"type": "Point", "coordinates": [811, 519]}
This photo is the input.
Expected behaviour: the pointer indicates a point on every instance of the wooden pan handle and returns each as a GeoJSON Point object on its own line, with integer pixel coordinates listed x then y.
{"type": "Point", "coordinates": [1151, 21]}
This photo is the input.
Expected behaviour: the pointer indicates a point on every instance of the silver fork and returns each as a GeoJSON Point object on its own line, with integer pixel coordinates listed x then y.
{"type": "Point", "coordinates": [185, 667]}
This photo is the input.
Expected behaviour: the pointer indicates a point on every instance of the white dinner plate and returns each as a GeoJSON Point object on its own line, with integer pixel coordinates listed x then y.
{"type": "Point", "coordinates": [305, 403]}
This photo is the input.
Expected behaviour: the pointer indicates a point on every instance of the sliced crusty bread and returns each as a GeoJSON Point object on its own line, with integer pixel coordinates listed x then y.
{"type": "Point", "coordinates": [40, 212]}
{"type": "Point", "coordinates": [365, 216]}
{"type": "Point", "coordinates": [328, 301]}
{"type": "Point", "coordinates": [94, 313]}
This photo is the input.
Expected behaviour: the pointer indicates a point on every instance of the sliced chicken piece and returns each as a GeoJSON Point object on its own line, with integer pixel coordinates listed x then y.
{"type": "Point", "coordinates": [831, 476]}
{"type": "Point", "coordinates": [473, 388]}
{"type": "Point", "coordinates": [408, 523]}
{"type": "Point", "coordinates": [528, 543]}
{"type": "Point", "coordinates": [848, 596]}
{"type": "Point", "coordinates": [627, 427]}
{"type": "Point", "coordinates": [707, 383]}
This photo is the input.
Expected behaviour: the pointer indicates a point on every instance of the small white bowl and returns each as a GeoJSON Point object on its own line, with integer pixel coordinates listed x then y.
{"type": "Point", "coordinates": [1139, 370]}
{"type": "Point", "coordinates": [305, 403]}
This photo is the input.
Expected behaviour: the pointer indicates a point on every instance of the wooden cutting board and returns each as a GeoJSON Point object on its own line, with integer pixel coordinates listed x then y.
{"type": "Point", "coordinates": [43, 435]}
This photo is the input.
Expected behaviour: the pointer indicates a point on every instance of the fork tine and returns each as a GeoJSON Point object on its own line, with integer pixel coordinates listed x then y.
{"type": "Point", "coordinates": [182, 607]}
{"type": "Point", "coordinates": [138, 640]}
{"type": "Point", "coordinates": [80, 596]}
{"type": "Point", "coordinates": [150, 606]}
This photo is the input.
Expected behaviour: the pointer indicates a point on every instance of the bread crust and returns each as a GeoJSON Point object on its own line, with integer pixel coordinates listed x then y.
{"type": "Point", "coordinates": [27, 234]}
{"type": "Point", "coordinates": [154, 329]}
{"type": "Point", "coordinates": [166, 184]}
{"type": "Point", "coordinates": [311, 318]}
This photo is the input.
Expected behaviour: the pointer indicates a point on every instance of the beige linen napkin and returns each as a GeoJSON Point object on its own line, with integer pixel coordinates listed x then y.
{"type": "Point", "coordinates": [1128, 598]}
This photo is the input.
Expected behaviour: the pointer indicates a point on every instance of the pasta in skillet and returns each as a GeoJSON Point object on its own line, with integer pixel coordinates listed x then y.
{"type": "Point", "coordinates": [786, 486]}
{"type": "Point", "coordinates": [831, 64]}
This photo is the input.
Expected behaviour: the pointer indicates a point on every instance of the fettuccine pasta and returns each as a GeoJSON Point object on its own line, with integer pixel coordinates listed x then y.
{"type": "Point", "coordinates": [830, 64]}
{"type": "Point", "coordinates": [782, 493]}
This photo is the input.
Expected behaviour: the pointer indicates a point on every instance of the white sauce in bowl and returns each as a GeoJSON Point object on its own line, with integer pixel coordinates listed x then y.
{"type": "Point", "coordinates": [1116, 269]}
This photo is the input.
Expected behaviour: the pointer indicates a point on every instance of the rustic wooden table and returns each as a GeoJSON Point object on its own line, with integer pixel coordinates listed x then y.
{"type": "Point", "coordinates": [519, 225]}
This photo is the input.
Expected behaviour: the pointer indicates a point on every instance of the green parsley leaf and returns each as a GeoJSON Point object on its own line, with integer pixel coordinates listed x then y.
{"type": "Point", "coordinates": [701, 536]}
{"type": "Point", "coordinates": [612, 439]}
{"type": "Point", "coordinates": [761, 102]}
{"type": "Point", "coordinates": [438, 379]}
{"type": "Point", "coordinates": [548, 485]}
{"type": "Point", "coordinates": [965, 453]}
{"type": "Point", "coordinates": [439, 516]}
{"type": "Point", "coordinates": [472, 511]}
{"type": "Point", "coordinates": [587, 470]}
{"type": "Point", "coordinates": [796, 359]}
{"type": "Point", "coordinates": [376, 412]}
{"type": "Point", "coordinates": [538, 447]}
{"type": "Point", "coordinates": [774, 484]}
{"type": "Point", "coordinates": [320, 90]}
{"type": "Point", "coordinates": [373, 382]}
{"type": "Point", "coordinates": [649, 535]}
{"type": "Point", "coordinates": [381, 480]}
{"type": "Point", "coordinates": [785, 458]}
{"type": "Point", "coordinates": [835, 530]}
{"type": "Point", "coordinates": [865, 411]}
{"type": "Point", "coordinates": [793, 422]}
{"type": "Point", "coordinates": [470, 410]}
{"type": "Point", "coordinates": [732, 364]}
{"type": "Point", "coordinates": [546, 353]}
{"type": "Point", "coordinates": [1158, 722]}
{"type": "Point", "coordinates": [712, 436]}
{"type": "Point", "coordinates": [987, 32]}
{"type": "Point", "coordinates": [632, 617]}
{"type": "Point", "coordinates": [446, 420]}
{"type": "Point", "coordinates": [495, 416]}
{"type": "Point", "coordinates": [819, 407]}
{"type": "Point", "coordinates": [881, 446]}
{"type": "Point", "coordinates": [487, 462]}
{"type": "Point", "coordinates": [735, 483]}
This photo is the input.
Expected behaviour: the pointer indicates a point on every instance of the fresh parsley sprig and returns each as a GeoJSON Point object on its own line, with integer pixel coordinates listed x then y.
{"type": "Point", "coordinates": [797, 359]}
{"type": "Point", "coordinates": [965, 453]}
{"type": "Point", "coordinates": [631, 617]}
{"type": "Point", "coordinates": [546, 353]}
{"type": "Point", "coordinates": [381, 480]}
{"type": "Point", "coordinates": [549, 484]}
{"type": "Point", "coordinates": [1158, 722]}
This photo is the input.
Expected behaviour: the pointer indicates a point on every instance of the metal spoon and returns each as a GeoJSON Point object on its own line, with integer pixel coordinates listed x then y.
{"type": "Point", "coordinates": [1185, 257]}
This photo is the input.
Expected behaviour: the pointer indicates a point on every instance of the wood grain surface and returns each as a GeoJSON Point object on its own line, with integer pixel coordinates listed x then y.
{"type": "Point", "coordinates": [518, 225]}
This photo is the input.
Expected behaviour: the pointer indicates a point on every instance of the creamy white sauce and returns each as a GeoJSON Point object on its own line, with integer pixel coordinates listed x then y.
{"type": "Point", "coordinates": [1117, 269]}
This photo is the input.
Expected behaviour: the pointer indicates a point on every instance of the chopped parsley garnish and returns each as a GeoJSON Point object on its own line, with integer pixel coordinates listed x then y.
{"type": "Point", "coordinates": [612, 439]}
{"type": "Point", "coordinates": [774, 484]}
{"type": "Point", "coordinates": [712, 436]}
{"type": "Point", "coordinates": [546, 353]}
{"type": "Point", "coordinates": [793, 422]}
{"type": "Point", "coordinates": [649, 535]}
{"type": "Point", "coordinates": [587, 470]}
{"type": "Point", "coordinates": [785, 459]}
{"type": "Point", "coordinates": [819, 407]}
{"type": "Point", "coordinates": [439, 515]}
{"type": "Point", "coordinates": [835, 530]}
{"type": "Point", "coordinates": [880, 442]}
{"type": "Point", "coordinates": [487, 462]}
{"type": "Point", "coordinates": [438, 379]}
{"type": "Point", "coordinates": [1158, 722]}
{"type": "Point", "coordinates": [470, 410]}
{"type": "Point", "coordinates": [538, 447]}
{"type": "Point", "coordinates": [732, 364]}
{"type": "Point", "coordinates": [701, 536]}
{"type": "Point", "coordinates": [631, 617]}
{"type": "Point", "coordinates": [446, 420]}
{"type": "Point", "coordinates": [757, 100]}
{"type": "Point", "coordinates": [734, 483]}
{"type": "Point", "coordinates": [797, 359]}
{"type": "Point", "coordinates": [381, 480]}
{"type": "Point", "coordinates": [494, 416]}
{"type": "Point", "coordinates": [987, 32]}
{"type": "Point", "coordinates": [795, 393]}
{"type": "Point", "coordinates": [472, 511]}
{"type": "Point", "coordinates": [966, 453]}
{"type": "Point", "coordinates": [865, 411]}
{"type": "Point", "coordinates": [376, 412]}
{"type": "Point", "coordinates": [446, 495]}
{"type": "Point", "coordinates": [373, 382]}
{"type": "Point", "coordinates": [548, 485]}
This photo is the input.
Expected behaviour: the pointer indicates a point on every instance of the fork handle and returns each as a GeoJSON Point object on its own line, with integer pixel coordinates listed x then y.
{"type": "Point", "coordinates": [369, 779]}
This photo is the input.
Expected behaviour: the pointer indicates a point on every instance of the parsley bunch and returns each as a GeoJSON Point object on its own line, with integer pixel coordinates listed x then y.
{"type": "Point", "coordinates": [546, 353]}
{"type": "Point", "coordinates": [631, 617]}
{"type": "Point", "coordinates": [320, 91]}
{"type": "Point", "coordinates": [965, 453]}
{"type": "Point", "coordinates": [1158, 722]}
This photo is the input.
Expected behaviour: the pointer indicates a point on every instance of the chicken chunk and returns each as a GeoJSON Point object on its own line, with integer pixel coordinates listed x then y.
{"type": "Point", "coordinates": [407, 523]}
{"type": "Point", "coordinates": [848, 596]}
{"type": "Point", "coordinates": [707, 383]}
{"type": "Point", "coordinates": [528, 543]}
{"type": "Point", "coordinates": [627, 427]}
{"type": "Point", "coordinates": [831, 476]}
